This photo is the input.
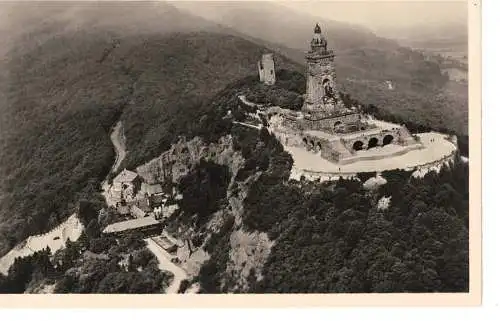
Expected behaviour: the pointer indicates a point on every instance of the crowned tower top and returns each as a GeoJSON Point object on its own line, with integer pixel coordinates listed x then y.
{"type": "Point", "coordinates": [318, 42]}
{"type": "Point", "coordinates": [317, 29]}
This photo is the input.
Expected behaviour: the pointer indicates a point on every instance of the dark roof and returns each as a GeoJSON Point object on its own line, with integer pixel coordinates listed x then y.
{"type": "Point", "coordinates": [131, 224]}
{"type": "Point", "coordinates": [156, 200]}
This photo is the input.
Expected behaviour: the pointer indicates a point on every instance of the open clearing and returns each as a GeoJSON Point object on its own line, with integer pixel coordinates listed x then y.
{"type": "Point", "coordinates": [71, 229]}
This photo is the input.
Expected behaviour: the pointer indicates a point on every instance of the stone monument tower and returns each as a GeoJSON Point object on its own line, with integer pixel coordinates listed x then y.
{"type": "Point", "coordinates": [266, 69]}
{"type": "Point", "coordinates": [322, 95]}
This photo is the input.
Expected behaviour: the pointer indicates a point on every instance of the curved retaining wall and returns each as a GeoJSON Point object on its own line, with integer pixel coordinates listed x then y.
{"type": "Point", "coordinates": [418, 170]}
{"type": "Point", "coordinates": [377, 157]}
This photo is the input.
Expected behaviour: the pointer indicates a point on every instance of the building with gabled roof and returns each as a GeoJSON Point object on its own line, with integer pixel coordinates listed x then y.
{"type": "Point", "coordinates": [125, 185]}
{"type": "Point", "coordinates": [125, 176]}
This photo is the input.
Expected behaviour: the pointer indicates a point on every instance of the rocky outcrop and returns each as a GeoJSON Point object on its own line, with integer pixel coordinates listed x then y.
{"type": "Point", "coordinates": [183, 155]}
{"type": "Point", "coordinates": [248, 254]}
{"type": "Point", "coordinates": [248, 251]}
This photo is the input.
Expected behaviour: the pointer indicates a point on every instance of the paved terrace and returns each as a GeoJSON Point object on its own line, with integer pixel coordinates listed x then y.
{"type": "Point", "coordinates": [436, 147]}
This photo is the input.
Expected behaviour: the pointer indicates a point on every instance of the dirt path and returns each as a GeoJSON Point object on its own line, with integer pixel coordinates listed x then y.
{"type": "Point", "coordinates": [248, 125]}
{"type": "Point", "coordinates": [118, 140]}
{"type": "Point", "coordinates": [69, 229]}
{"type": "Point", "coordinates": [165, 264]}
{"type": "Point", "coordinates": [244, 100]}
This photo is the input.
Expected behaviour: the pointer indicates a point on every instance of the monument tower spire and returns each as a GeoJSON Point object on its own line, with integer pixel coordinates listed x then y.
{"type": "Point", "coordinates": [321, 89]}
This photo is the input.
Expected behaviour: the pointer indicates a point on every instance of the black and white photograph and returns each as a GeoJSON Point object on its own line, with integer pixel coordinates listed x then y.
{"type": "Point", "coordinates": [236, 147]}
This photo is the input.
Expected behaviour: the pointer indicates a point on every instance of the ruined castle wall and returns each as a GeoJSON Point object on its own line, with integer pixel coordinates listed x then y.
{"type": "Point", "coordinates": [329, 153]}
{"type": "Point", "coordinates": [267, 73]}
{"type": "Point", "coordinates": [288, 138]}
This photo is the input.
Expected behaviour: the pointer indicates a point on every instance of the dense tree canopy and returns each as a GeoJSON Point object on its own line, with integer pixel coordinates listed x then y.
{"type": "Point", "coordinates": [341, 242]}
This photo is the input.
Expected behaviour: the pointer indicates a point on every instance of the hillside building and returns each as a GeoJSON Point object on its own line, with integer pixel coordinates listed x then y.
{"type": "Point", "coordinates": [125, 186]}
{"type": "Point", "coordinates": [148, 225]}
{"type": "Point", "coordinates": [150, 189]}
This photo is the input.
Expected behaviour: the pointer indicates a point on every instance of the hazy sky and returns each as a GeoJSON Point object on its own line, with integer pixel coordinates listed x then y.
{"type": "Point", "coordinates": [386, 14]}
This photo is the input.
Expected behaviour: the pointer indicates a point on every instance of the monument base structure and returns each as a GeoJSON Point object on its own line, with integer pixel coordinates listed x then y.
{"type": "Point", "coordinates": [327, 138]}
{"type": "Point", "coordinates": [325, 124]}
{"type": "Point", "coordinates": [342, 138]}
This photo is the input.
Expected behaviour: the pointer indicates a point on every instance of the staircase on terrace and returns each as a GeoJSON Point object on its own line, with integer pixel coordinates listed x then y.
{"type": "Point", "coordinates": [339, 146]}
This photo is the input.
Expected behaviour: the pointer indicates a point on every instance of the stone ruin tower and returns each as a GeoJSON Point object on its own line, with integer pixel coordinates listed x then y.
{"type": "Point", "coordinates": [322, 93]}
{"type": "Point", "coordinates": [266, 69]}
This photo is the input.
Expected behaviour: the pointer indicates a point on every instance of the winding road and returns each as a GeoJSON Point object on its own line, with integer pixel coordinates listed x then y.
{"type": "Point", "coordinates": [118, 140]}
{"type": "Point", "coordinates": [165, 264]}
{"type": "Point", "coordinates": [164, 258]}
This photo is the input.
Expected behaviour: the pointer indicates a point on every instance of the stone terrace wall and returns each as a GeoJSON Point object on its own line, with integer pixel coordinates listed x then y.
{"type": "Point", "coordinates": [331, 176]}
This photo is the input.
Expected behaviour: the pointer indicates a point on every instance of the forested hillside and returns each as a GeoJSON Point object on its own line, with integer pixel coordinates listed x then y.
{"type": "Point", "coordinates": [68, 80]}
{"type": "Point", "coordinates": [335, 237]}
{"type": "Point", "coordinates": [330, 237]}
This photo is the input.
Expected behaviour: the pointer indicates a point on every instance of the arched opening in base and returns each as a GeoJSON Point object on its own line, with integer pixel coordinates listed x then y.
{"type": "Point", "coordinates": [358, 145]}
{"type": "Point", "coordinates": [387, 140]}
{"type": "Point", "coordinates": [373, 142]}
